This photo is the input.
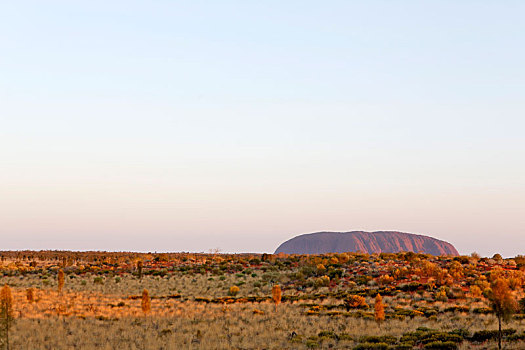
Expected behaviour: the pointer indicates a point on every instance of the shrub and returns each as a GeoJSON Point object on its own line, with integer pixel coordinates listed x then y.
{"type": "Point", "coordinates": [516, 337]}
{"type": "Point", "coordinates": [6, 314]}
{"type": "Point", "coordinates": [372, 346]}
{"type": "Point", "coordinates": [233, 291]}
{"type": "Point", "coordinates": [60, 280]}
{"type": "Point", "coordinates": [379, 309]}
{"type": "Point", "coordinates": [337, 273]}
{"type": "Point", "coordinates": [443, 337]}
{"type": "Point", "coordinates": [362, 279]}
{"type": "Point", "coordinates": [440, 345]}
{"type": "Point", "coordinates": [322, 281]}
{"type": "Point", "coordinates": [310, 344]}
{"type": "Point", "coordinates": [411, 287]}
{"type": "Point", "coordinates": [441, 296]}
{"type": "Point", "coordinates": [424, 335]}
{"type": "Point", "coordinates": [388, 339]}
{"type": "Point", "coordinates": [276, 294]}
{"type": "Point", "coordinates": [30, 295]}
{"type": "Point", "coordinates": [139, 268]}
{"type": "Point", "coordinates": [385, 279]}
{"type": "Point", "coordinates": [355, 302]}
{"type": "Point", "coordinates": [327, 335]}
{"type": "Point", "coordinates": [463, 333]}
{"type": "Point", "coordinates": [146, 301]}
{"type": "Point", "coordinates": [485, 335]}
{"type": "Point", "coordinates": [482, 310]}
{"type": "Point", "coordinates": [475, 292]}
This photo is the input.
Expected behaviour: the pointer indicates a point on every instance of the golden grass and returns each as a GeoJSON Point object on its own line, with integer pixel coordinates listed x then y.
{"type": "Point", "coordinates": [232, 327]}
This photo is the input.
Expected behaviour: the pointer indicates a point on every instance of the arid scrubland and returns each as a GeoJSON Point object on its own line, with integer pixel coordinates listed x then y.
{"type": "Point", "coordinates": [98, 300]}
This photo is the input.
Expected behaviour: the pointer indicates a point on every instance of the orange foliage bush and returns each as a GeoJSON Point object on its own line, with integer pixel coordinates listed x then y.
{"type": "Point", "coordinates": [355, 302]}
{"type": "Point", "coordinates": [30, 295]}
{"type": "Point", "coordinates": [379, 309]}
{"type": "Point", "coordinates": [61, 280]}
{"type": "Point", "coordinates": [234, 290]}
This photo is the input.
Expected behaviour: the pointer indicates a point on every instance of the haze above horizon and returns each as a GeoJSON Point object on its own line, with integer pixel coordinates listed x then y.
{"type": "Point", "coordinates": [168, 126]}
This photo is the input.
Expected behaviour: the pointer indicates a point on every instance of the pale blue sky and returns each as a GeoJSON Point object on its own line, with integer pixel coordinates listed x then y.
{"type": "Point", "coordinates": [168, 126]}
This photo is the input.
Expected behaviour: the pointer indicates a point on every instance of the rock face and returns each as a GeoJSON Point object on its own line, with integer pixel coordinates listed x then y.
{"type": "Point", "coordinates": [368, 242]}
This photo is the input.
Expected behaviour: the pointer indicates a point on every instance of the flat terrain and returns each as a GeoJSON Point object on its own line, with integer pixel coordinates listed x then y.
{"type": "Point", "coordinates": [221, 301]}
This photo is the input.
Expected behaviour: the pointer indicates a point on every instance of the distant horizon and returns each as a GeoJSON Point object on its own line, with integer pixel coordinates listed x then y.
{"type": "Point", "coordinates": [218, 250]}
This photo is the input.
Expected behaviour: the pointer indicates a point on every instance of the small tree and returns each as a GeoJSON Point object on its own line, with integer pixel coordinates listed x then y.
{"type": "Point", "coordinates": [30, 295]}
{"type": "Point", "coordinates": [146, 301]}
{"type": "Point", "coordinates": [61, 281]}
{"type": "Point", "coordinates": [276, 295]}
{"type": "Point", "coordinates": [502, 302]}
{"type": "Point", "coordinates": [234, 290]}
{"type": "Point", "coordinates": [6, 315]}
{"type": "Point", "coordinates": [379, 310]}
{"type": "Point", "coordinates": [139, 268]}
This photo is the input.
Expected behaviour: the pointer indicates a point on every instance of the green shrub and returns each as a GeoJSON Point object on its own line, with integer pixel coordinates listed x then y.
{"type": "Point", "coordinates": [441, 345]}
{"type": "Point", "coordinates": [327, 334]}
{"type": "Point", "coordinates": [388, 339]}
{"type": "Point", "coordinates": [372, 346]}
{"type": "Point", "coordinates": [442, 337]}
{"type": "Point", "coordinates": [482, 310]}
{"type": "Point", "coordinates": [424, 335]}
{"type": "Point", "coordinates": [457, 308]}
{"type": "Point", "coordinates": [362, 279]}
{"type": "Point", "coordinates": [310, 344]}
{"type": "Point", "coordinates": [463, 333]}
{"type": "Point", "coordinates": [345, 336]}
{"type": "Point", "coordinates": [485, 335]}
{"type": "Point", "coordinates": [516, 337]}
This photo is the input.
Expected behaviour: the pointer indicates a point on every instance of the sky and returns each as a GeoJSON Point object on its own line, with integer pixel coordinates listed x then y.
{"type": "Point", "coordinates": [196, 125]}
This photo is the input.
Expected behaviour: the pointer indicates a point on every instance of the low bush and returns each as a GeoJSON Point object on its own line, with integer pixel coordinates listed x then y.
{"type": "Point", "coordinates": [372, 346]}
{"type": "Point", "coordinates": [388, 339]}
{"type": "Point", "coordinates": [440, 345]}
{"type": "Point", "coordinates": [485, 335]}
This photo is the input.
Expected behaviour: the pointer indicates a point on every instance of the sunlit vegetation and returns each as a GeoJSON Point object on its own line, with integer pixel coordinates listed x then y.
{"type": "Point", "coordinates": [57, 300]}
{"type": "Point", "coordinates": [6, 315]}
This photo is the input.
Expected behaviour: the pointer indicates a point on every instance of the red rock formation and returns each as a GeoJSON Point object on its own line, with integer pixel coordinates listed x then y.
{"type": "Point", "coordinates": [368, 242]}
